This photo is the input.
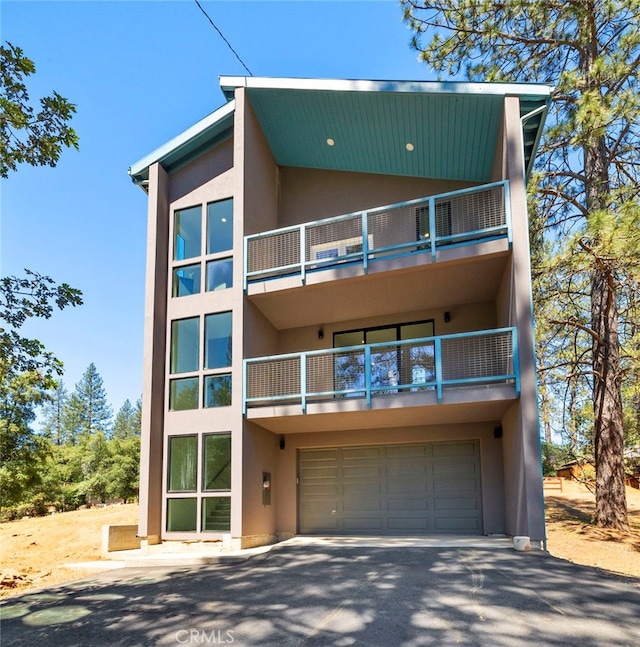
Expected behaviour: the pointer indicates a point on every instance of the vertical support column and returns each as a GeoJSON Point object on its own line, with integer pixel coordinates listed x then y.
{"type": "Point", "coordinates": [525, 467]}
{"type": "Point", "coordinates": [155, 335]}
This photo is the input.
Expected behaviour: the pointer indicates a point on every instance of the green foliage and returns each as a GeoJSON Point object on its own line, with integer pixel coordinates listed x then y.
{"type": "Point", "coordinates": [127, 422]}
{"type": "Point", "coordinates": [36, 138]}
{"type": "Point", "coordinates": [555, 456]}
{"type": "Point", "coordinates": [87, 411]}
{"type": "Point", "coordinates": [53, 426]}
{"type": "Point", "coordinates": [24, 298]}
{"type": "Point", "coordinates": [585, 194]}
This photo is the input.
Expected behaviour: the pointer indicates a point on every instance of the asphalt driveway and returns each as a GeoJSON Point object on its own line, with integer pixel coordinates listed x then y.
{"type": "Point", "coordinates": [320, 595]}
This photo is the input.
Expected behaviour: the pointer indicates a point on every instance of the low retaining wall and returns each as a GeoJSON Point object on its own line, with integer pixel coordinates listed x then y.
{"type": "Point", "coordinates": [119, 538]}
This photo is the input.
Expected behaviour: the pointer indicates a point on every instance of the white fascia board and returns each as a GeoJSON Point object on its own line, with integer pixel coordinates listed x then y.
{"type": "Point", "coordinates": [230, 83]}
{"type": "Point", "coordinates": [182, 139]}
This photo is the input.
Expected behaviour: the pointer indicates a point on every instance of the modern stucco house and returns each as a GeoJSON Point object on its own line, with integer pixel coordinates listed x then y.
{"type": "Point", "coordinates": [338, 327]}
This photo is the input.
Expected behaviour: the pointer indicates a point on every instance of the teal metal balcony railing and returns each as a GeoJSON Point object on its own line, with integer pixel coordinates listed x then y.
{"type": "Point", "coordinates": [423, 225]}
{"type": "Point", "coordinates": [370, 370]}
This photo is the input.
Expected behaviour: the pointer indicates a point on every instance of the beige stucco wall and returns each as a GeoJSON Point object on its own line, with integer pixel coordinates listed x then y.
{"type": "Point", "coordinates": [491, 464]}
{"type": "Point", "coordinates": [200, 171]}
{"type": "Point", "coordinates": [476, 316]}
{"type": "Point", "coordinates": [153, 371]}
{"type": "Point", "coordinates": [523, 462]}
{"type": "Point", "coordinates": [312, 194]}
{"type": "Point", "coordinates": [256, 206]}
{"type": "Point", "coordinates": [259, 451]}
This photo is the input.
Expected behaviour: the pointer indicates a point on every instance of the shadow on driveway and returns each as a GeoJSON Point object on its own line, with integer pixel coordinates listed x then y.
{"type": "Point", "coordinates": [335, 596]}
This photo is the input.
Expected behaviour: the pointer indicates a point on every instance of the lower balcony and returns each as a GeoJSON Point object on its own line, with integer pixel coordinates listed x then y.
{"type": "Point", "coordinates": [461, 378]}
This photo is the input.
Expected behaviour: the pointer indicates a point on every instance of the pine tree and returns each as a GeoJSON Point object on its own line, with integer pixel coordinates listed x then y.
{"type": "Point", "coordinates": [126, 424]}
{"type": "Point", "coordinates": [53, 425]}
{"type": "Point", "coordinates": [589, 164]}
{"type": "Point", "coordinates": [87, 411]}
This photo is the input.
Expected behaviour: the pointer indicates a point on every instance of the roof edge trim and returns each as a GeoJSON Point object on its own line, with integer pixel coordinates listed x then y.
{"type": "Point", "coordinates": [229, 84]}
{"type": "Point", "coordinates": [139, 169]}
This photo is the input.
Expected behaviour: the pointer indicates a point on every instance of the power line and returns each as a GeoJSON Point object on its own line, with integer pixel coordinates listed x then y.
{"type": "Point", "coordinates": [223, 38]}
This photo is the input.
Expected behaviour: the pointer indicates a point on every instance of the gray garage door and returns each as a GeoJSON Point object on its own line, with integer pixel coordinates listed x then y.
{"type": "Point", "coordinates": [391, 489]}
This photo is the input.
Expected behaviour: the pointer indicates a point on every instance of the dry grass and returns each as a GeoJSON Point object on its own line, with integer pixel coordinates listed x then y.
{"type": "Point", "coordinates": [34, 551]}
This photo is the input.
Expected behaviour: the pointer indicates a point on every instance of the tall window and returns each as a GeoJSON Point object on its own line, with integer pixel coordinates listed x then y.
{"type": "Point", "coordinates": [186, 503]}
{"type": "Point", "coordinates": [217, 340]}
{"type": "Point", "coordinates": [220, 226]}
{"type": "Point", "coordinates": [185, 345]}
{"type": "Point", "coordinates": [187, 233]}
{"type": "Point", "coordinates": [216, 462]}
{"type": "Point", "coordinates": [188, 228]}
{"type": "Point", "coordinates": [183, 457]}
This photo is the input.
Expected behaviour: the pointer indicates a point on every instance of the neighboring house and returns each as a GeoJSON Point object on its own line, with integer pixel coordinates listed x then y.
{"type": "Point", "coordinates": [338, 327]}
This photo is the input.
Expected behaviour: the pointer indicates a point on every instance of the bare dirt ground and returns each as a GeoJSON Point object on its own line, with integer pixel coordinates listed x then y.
{"type": "Point", "coordinates": [34, 551]}
{"type": "Point", "coordinates": [571, 536]}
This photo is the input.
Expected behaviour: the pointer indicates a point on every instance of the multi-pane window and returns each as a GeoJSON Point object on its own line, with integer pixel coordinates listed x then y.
{"type": "Point", "coordinates": [216, 221]}
{"type": "Point", "coordinates": [391, 365]}
{"type": "Point", "coordinates": [214, 457]}
{"type": "Point", "coordinates": [186, 357]}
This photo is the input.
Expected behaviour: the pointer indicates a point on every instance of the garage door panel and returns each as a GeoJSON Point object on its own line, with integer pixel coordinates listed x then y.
{"type": "Point", "coordinates": [360, 500]}
{"type": "Point", "coordinates": [403, 472]}
{"type": "Point", "coordinates": [456, 503]}
{"type": "Point", "coordinates": [409, 524]}
{"type": "Point", "coordinates": [420, 488]}
{"type": "Point", "coordinates": [361, 453]}
{"type": "Point", "coordinates": [319, 490]}
{"type": "Point", "coordinates": [408, 487]}
{"type": "Point", "coordinates": [408, 452]}
{"type": "Point", "coordinates": [355, 524]}
{"type": "Point", "coordinates": [455, 484]}
{"type": "Point", "coordinates": [367, 472]}
{"type": "Point", "coordinates": [402, 505]}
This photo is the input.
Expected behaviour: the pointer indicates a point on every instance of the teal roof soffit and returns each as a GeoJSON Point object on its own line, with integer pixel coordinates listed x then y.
{"type": "Point", "coordinates": [196, 140]}
{"type": "Point", "coordinates": [411, 128]}
{"type": "Point", "coordinates": [418, 129]}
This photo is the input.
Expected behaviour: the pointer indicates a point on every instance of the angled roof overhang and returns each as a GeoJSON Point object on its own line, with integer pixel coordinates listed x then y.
{"type": "Point", "coordinates": [414, 128]}
{"type": "Point", "coordinates": [199, 138]}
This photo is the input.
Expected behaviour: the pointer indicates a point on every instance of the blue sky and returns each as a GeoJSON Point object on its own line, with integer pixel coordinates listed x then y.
{"type": "Point", "coordinates": [140, 73]}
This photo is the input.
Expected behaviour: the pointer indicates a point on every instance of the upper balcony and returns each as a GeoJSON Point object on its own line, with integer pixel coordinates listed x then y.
{"type": "Point", "coordinates": [429, 225]}
{"type": "Point", "coordinates": [288, 269]}
{"type": "Point", "coordinates": [470, 376]}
